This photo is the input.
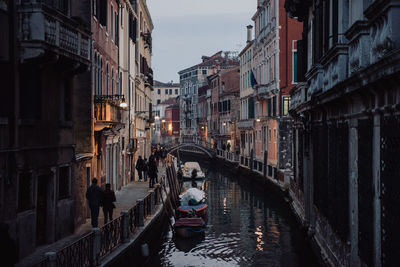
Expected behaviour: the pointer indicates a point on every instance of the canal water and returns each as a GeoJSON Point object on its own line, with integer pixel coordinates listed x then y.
{"type": "Point", "coordinates": [247, 226]}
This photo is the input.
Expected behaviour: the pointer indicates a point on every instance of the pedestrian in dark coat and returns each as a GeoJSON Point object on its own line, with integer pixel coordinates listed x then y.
{"type": "Point", "coordinates": [93, 195]}
{"type": "Point", "coordinates": [145, 169]}
{"type": "Point", "coordinates": [152, 171]}
{"type": "Point", "coordinates": [107, 201]}
{"type": "Point", "coordinates": [139, 167]}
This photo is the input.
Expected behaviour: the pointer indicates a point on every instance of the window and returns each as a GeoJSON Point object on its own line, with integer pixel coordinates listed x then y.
{"type": "Point", "coordinates": [176, 91]}
{"type": "Point", "coordinates": [101, 77]}
{"type": "Point", "coordinates": [107, 79]}
{"type": "Point", "coordinates": [112, 22]}
{"type": "Point", "coordinates": [295, 67]}
{"type": "Point", "coordinates": [25, 192]}
{"type": "Point", "coordinates": [269, 107]}
{"type": "Point", "coordinates": [170, 91]}
{"type": "Point", "coordinates": [104, 13]}
{"type": "Point", "coordinates": [112, 81]}
{"type": "Point", "coordinates": [132, 27]}
{"type": "Point", "coordinates": [116, 29]}
{"type": "Point", "coordinates": [204, 72]}
{"type": "Point", "coordinates": [274, 106]}
{"type": "Point", "coordinates": [95, 7]}
{"type": "Point", "coordinates": [63, 183]}
{"type": "Point", "coordinates": [158, 101]}
{"type": "Point", "coordinates": [285, 105]}
{"type": "Point", "coordinates": [275, 136]}
{"type": "Point", "coordinates": [159, 91]}
{"type": "Point", "coordinates": [269, 135]}
{"type": "Point", "coordinates": [120, 83]}
{"type": "Point", "coordinates": [166, 91]}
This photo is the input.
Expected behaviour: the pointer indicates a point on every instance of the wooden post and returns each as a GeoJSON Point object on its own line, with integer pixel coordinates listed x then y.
{"type": "Point", "coordinates": [125, 226]}
{"type": "Point", "coordinates": [140, 204]}
{"type": "Point", "coordinates": [96, 246]}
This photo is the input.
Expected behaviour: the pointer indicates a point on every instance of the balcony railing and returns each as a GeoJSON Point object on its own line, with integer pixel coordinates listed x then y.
{"type": "Point", "coordinates": [106, 112]}
{"type": "Point", "coordinates": [246, 124]}
{"type": "Point", "coordinates": [266, 89]}
{"type": "Point", "coordinates": [46, 25]}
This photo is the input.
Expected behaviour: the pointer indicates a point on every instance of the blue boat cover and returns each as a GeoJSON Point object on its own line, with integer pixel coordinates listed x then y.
{"type": "Point", "coordinates": [196, 207]}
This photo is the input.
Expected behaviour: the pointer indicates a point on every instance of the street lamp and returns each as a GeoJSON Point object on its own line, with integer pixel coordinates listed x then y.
{"type": "Point", "coordinates": [123, 104]}
{"type": "Point", "coordinates": [162, 120]}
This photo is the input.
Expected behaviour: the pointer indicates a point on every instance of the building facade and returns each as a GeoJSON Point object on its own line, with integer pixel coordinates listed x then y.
{"type": "Point", "coordinates": [224, 87]}
{"type": "Point", "coordinates": [346, 134]}
{"type": "Point", "coordinates": [44, 63]}
{"type": "Point", "coordinates": [160, 128]}
{"type": "Point", "coordinates": [107, 93]}
{"type": "Point", "coordinates": [164, 91]}
{"type": "Point", "coordinates": [246, 120]}
{"type": "Point", "coordinates": [191, 79]}
{"type": "Point", "coordinates": [274, 51]}
{"type": "Point", "coordinates": [143, 82]}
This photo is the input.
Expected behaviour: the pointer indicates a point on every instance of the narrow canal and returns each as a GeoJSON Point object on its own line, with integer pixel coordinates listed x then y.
{"type": "Point", "coordinates": [247, 226]}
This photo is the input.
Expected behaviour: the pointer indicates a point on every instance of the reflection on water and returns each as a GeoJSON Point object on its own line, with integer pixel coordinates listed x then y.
{"type": "Point", "coordinates": [246, 227]}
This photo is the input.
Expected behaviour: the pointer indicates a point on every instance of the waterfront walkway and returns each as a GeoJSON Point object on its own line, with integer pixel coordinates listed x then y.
{"type": "Point", "coordinates": [126, 199]}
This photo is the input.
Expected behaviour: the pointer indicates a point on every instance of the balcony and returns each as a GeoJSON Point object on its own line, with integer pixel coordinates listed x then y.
{"type": "Point", "coordinates": [148, 79]}
{"type": "Point", "coordinates": [147, 40]}
{"type": "Point", "coordinates": [246, 124]}
{"type": "Point", "coordinates": [107, 113]}
{"type": "Point", "coordinates": [266, 90]}
{"type": "Point", "coordinates": [46, 27]}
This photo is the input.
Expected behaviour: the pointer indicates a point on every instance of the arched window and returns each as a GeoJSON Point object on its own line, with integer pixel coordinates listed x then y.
{"type": "Point", "coordinates": [107, 79]}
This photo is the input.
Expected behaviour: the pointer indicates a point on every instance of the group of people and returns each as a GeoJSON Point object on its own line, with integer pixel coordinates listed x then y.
{"type": "Point", "coordinates": [148, 168]}
{"type": "Point", "coordinates": [100, 198]}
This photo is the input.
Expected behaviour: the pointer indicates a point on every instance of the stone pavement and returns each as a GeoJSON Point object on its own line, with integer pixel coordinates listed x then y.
{"type": "Point", "coordinates": [126, 199]}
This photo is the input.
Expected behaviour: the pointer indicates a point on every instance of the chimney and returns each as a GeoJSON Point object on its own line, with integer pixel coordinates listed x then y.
{"type": "Point", "coordinates": [249, 33]}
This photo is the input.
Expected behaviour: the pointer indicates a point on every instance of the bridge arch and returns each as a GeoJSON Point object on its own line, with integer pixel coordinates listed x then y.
{"type": "Point", "coordinates": [208, 152]}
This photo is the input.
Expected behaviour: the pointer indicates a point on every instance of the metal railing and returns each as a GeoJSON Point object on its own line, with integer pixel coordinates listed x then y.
{"type": "Point", "coordinates": [79, 253]}
{"type": "Point", "coordinates": [110, 236]}
{"type": "Point", "coordinates": [133, 215]}
{"type": "Point", "coordinates": [98, 244]}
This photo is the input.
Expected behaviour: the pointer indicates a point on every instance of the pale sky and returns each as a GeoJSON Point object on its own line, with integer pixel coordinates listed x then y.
{"type": "Point", "coordinates": [185, 30]}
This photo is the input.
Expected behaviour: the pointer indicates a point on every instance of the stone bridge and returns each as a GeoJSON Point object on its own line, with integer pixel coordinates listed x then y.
{"type": "Point", "coordinates": [191, 143]}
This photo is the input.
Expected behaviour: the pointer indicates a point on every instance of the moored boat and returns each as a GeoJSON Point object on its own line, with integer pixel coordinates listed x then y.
{"type": "Point", "coordinates": [199, 210]}
{"type": "Point", "coordinates": [189, 227]}
{"type": "Point", "coordinates": [192, 170]}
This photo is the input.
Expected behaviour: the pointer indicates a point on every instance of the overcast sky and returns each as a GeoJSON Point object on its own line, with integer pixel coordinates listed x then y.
{"type": "Point", "coordinates": [184, 30]}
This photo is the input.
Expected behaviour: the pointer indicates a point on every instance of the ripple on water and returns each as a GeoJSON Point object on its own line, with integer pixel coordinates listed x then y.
{"type": "Point", "coordinates": [244, 229]}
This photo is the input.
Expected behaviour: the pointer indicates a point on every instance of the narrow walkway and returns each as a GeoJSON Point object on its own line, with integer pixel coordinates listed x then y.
{"type": "Point", "coordinates": [126, 199]}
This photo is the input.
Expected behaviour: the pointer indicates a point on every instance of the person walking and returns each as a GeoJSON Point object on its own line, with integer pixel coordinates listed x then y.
{"type": "Point", "coordinates": [93, 195]}
{"type": "Point", "coordinates": [107, 201]}
{"type": "Point", "coordinates": [152, 171]}
{"type": "Point", "coordinates": [139, 167]}
{"type": "Point", "coordinates": [145, 169]}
